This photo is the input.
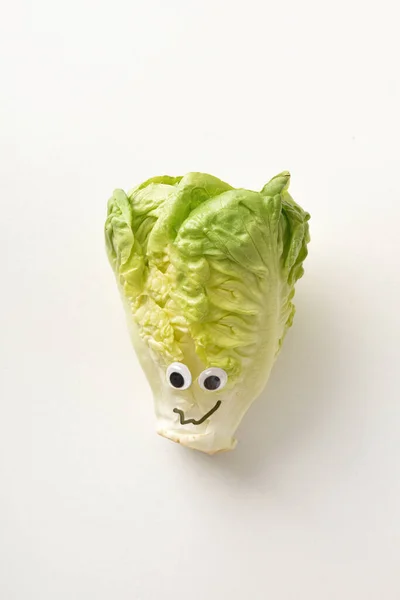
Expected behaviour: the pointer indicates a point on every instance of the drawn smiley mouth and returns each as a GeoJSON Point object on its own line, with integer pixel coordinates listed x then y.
{"type": "Point", "coordinates": [184, 421]}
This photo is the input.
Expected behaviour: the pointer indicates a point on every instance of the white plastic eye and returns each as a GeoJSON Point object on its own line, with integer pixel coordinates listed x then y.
{"type": "Point", "coordinates": [178, 376]}
{"type": "Point", "coordinates": [212, 379]}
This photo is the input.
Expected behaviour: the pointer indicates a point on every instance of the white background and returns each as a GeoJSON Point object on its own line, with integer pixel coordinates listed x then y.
{"type": "Point", "coordinates": [93, 504]}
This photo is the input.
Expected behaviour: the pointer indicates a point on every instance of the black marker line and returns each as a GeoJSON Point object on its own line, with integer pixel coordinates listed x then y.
{"type": "Point", "coordinates": [200, 421]}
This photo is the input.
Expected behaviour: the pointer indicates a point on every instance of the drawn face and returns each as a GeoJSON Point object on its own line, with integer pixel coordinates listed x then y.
{"type": "Point", "coordinates": [210, 380]}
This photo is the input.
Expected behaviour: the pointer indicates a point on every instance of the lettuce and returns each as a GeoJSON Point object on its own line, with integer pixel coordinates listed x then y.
{"type": "Point", "coordinates": [207, 275]}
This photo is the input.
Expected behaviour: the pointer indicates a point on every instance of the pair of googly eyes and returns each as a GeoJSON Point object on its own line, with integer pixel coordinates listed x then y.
{"type": "Point", "coordinates": [180, 378]}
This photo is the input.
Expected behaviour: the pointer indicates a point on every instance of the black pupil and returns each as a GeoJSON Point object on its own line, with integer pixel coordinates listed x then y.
{"type": "Point", "coordinates": [177, 380]}
{"type": "Point", "coordinates": [212, 382]}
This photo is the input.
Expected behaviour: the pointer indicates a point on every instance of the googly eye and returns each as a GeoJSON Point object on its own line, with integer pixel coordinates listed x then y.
{"type": "Point", "coordinates": [212, 379]}
{"type": "Point", "coordinates": [179, 376]}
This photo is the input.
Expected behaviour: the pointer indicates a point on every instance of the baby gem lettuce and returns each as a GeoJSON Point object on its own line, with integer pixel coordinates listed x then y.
{"type": "Point", "coordinates": [207, 275]}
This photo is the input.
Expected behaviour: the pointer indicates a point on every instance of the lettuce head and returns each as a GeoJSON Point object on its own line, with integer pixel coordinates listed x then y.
{"type": "Point", "coordinates": [207, 275]}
